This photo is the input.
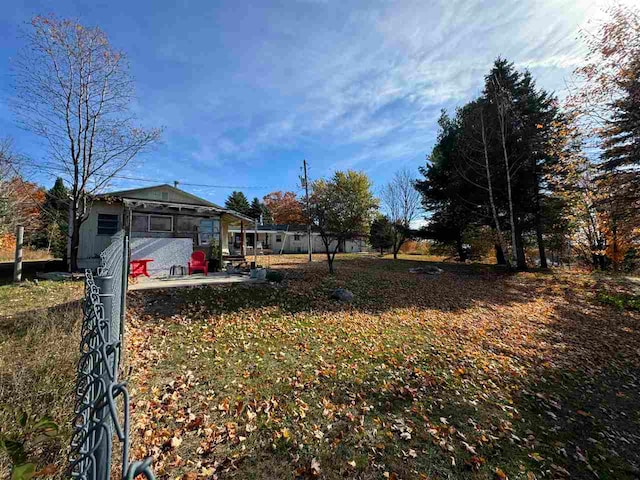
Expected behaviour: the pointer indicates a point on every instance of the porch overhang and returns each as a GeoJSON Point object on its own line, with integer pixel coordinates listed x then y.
{"type": "Point", "coordinates": [171, 207]}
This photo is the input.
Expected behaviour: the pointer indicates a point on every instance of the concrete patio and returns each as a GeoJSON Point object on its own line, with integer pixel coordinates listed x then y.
{"type": "Point", "coordinates": [177, 281]}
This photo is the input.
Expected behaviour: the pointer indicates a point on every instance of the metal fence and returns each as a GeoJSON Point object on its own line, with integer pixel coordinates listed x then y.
{"type": "Point", "coordinates": [98, 416]}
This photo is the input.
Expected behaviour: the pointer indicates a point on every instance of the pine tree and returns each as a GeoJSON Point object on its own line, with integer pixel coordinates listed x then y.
{"type": "Point", "coordinates": [238, 202]}
{"type": "Point", "coordinates": [256, 208]}
{"type": "Point", "coordinates": [54, 217]}
{"type": "Point", "coordinates": [381, 234]}
{"type": "Point", "coordinates": [622, 133]}
{"type": "Point", "coordinates": [452, 201]}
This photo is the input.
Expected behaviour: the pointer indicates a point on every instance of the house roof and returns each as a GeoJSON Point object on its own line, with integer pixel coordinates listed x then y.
{"type": "Point", "coordinates": [130, 196]}
{"type": "Point", "coordinates": [283, 228]}
{"type": "Point", "coordinates": [129, 193]}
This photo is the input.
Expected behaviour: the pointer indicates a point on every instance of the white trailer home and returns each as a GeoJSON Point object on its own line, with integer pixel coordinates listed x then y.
{"type": "Point", "coordinates": [280, 239]}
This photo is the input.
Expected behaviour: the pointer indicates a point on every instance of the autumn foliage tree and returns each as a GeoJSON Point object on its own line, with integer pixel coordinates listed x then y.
{"type": "Point", "coordinates": [284, 207]}
{"type": "Point", "coordinates": [605, 102]}
{"type": "Point", "coordinates": [341, 209]}
{"type": "Point", "coordinates": [74, 90]}
{"type": "Point", "coordinates": [21, 201]}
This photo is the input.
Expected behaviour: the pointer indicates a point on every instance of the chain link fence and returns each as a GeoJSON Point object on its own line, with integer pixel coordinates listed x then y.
{"type": "Point", "coordinates": [102, 401]}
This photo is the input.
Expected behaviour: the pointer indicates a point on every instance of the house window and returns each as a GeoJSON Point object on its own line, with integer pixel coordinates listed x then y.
{"type": "Point", "coordinates": [209, 231]}
{"type": "Point", "coordinates": [278, 238]}
{"type": "Point", "coordinates": [296, 237]}
{"type": "Point", "coordinates": [139, 223]}
{"type": "Point", "coordinates": [160, 223]}
{"type": "Point", "coordinates": [165, 196]}
{"type": "Point", "coordinates": [107, 224]}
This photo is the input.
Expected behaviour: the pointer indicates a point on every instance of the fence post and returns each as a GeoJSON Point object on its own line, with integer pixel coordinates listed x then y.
{"type": "Point", "coordinates": [17, 266]}
{"type": "Point", "coordinates": [124, 287]}
{"type": "Point", "coordinates": [103, 449]}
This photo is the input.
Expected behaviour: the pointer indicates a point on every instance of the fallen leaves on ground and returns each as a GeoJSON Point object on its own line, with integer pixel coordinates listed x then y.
{"type": "Point", "coordinates": [471, 374]}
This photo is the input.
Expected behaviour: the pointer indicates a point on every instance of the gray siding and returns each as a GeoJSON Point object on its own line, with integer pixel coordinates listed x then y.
{"type": "Point", "coordinates": [91, 244]}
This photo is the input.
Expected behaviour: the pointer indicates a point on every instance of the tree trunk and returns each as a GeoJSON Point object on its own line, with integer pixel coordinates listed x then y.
{"type": "Point", "coordinates": [503, 135]}
{"type": "Point", "coordinates": [500, 258]}
{"type": "Point", "coordinates": [494, 210]}
{"type": "Point", "coordinates": [514, 249]}
{"type": "Point", "coordinates": [75, 244]}
{"type": "Point", "coordinates": [397, 243]}
{"type": "Point", "coordinates": [540, 240]}
{"type": "Point", "coordinates": [519, 248]}
{"type": "Point", "coordinates": [461, 254]}
{"type": "Point", "coordinates": [538, 219]}
{"type": "Point", "coordinates": [329, 261]}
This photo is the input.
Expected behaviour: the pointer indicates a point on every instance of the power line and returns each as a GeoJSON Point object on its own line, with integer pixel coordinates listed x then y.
{"type": "Point", "coordinates": [52, 168]}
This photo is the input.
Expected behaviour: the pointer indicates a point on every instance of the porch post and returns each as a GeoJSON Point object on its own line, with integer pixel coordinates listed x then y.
{"type": "Point", "coordinates": [221, 239]}
{"type": "Point", "coordinates": [255, 243]}
{"type": "Point", "coordinates": [242, 247]}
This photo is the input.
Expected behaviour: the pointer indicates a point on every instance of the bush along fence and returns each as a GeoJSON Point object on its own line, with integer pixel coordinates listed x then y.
{"type": "Point", "coordinates": [98, 417]}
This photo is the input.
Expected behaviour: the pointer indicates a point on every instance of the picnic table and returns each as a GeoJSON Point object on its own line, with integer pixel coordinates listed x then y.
{"type": "Point", "coordinates": [139, 267]}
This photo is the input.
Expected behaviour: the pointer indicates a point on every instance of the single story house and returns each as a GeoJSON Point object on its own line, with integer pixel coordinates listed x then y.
{"type": "Point", "coordinates": [280, 239]}
{"type": "Point", "coordinates": [164, 223]}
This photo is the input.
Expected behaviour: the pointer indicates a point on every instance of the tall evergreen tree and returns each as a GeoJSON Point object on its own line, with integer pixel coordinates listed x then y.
{"type": "Point", "coordinates": [445, 194]}
{"type": "Point", "coordinates": [622, 132]}
{"type": "Point", "coordinates": [256, 208]}
{"type": "Point", "coordinates": [238, 201]}
{"type": "Point", "coordinates": [488, 165]}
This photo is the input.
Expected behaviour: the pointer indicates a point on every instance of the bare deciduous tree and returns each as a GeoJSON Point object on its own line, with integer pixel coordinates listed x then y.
{"type": "Point", "coordinates": [74, 90]}
{"type": "Point", "coordinates": [402, 202]}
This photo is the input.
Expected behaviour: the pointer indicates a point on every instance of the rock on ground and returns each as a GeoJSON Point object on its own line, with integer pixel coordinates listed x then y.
{"type": "Point", "coordinates": [430, 270]}
{"type": "Point", "coordinates": [342, 295]}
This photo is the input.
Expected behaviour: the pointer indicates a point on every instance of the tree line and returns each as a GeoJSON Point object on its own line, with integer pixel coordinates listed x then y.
{"type": "Point", "coordinates": [535, 173]}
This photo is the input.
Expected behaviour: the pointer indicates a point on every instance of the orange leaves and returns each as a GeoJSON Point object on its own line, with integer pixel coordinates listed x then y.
{"type": "Point", "coordinates": [456, 374]}
{"type": "Point", "coordinates": [284, 207]}
{"type": "Point", "coordinates": [500, 475]}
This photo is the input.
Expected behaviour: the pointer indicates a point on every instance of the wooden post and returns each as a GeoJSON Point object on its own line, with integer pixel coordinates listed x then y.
{"type": "Point", "coordinates": [255, 243]}
{"type": "Point", "coordinates": [222, 241]}
{"type": "Point", "coordinates": [242, 250]}
{"type": "Point", "coordinates": [17, 266]}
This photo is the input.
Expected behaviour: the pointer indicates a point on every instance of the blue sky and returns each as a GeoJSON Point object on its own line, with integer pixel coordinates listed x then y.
{"type": "Point", "coordinates": [245, 91]}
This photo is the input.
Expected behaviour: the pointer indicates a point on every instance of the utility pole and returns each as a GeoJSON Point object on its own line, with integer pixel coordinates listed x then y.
{"type": "Point", "coordinates": [306, 194]}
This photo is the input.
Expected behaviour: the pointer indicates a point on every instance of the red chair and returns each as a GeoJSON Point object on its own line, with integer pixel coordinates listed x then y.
{"type": "Point", "coordinates": [198, 262]}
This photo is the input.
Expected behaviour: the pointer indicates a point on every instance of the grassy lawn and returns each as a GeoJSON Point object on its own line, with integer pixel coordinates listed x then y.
{"type": "Point", "coordinates": [470, 374]}
{"type": "Point", "coordinates": [39, 348]}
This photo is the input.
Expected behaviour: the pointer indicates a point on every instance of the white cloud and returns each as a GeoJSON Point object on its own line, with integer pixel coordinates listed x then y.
{"type": "Point", "coordinates": [371, 80]}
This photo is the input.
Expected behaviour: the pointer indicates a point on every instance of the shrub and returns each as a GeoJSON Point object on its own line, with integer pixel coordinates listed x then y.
{"type": "Point", "coordinates": [274, 276]}
{"type": "Point", "coordinates": [620, 301]}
